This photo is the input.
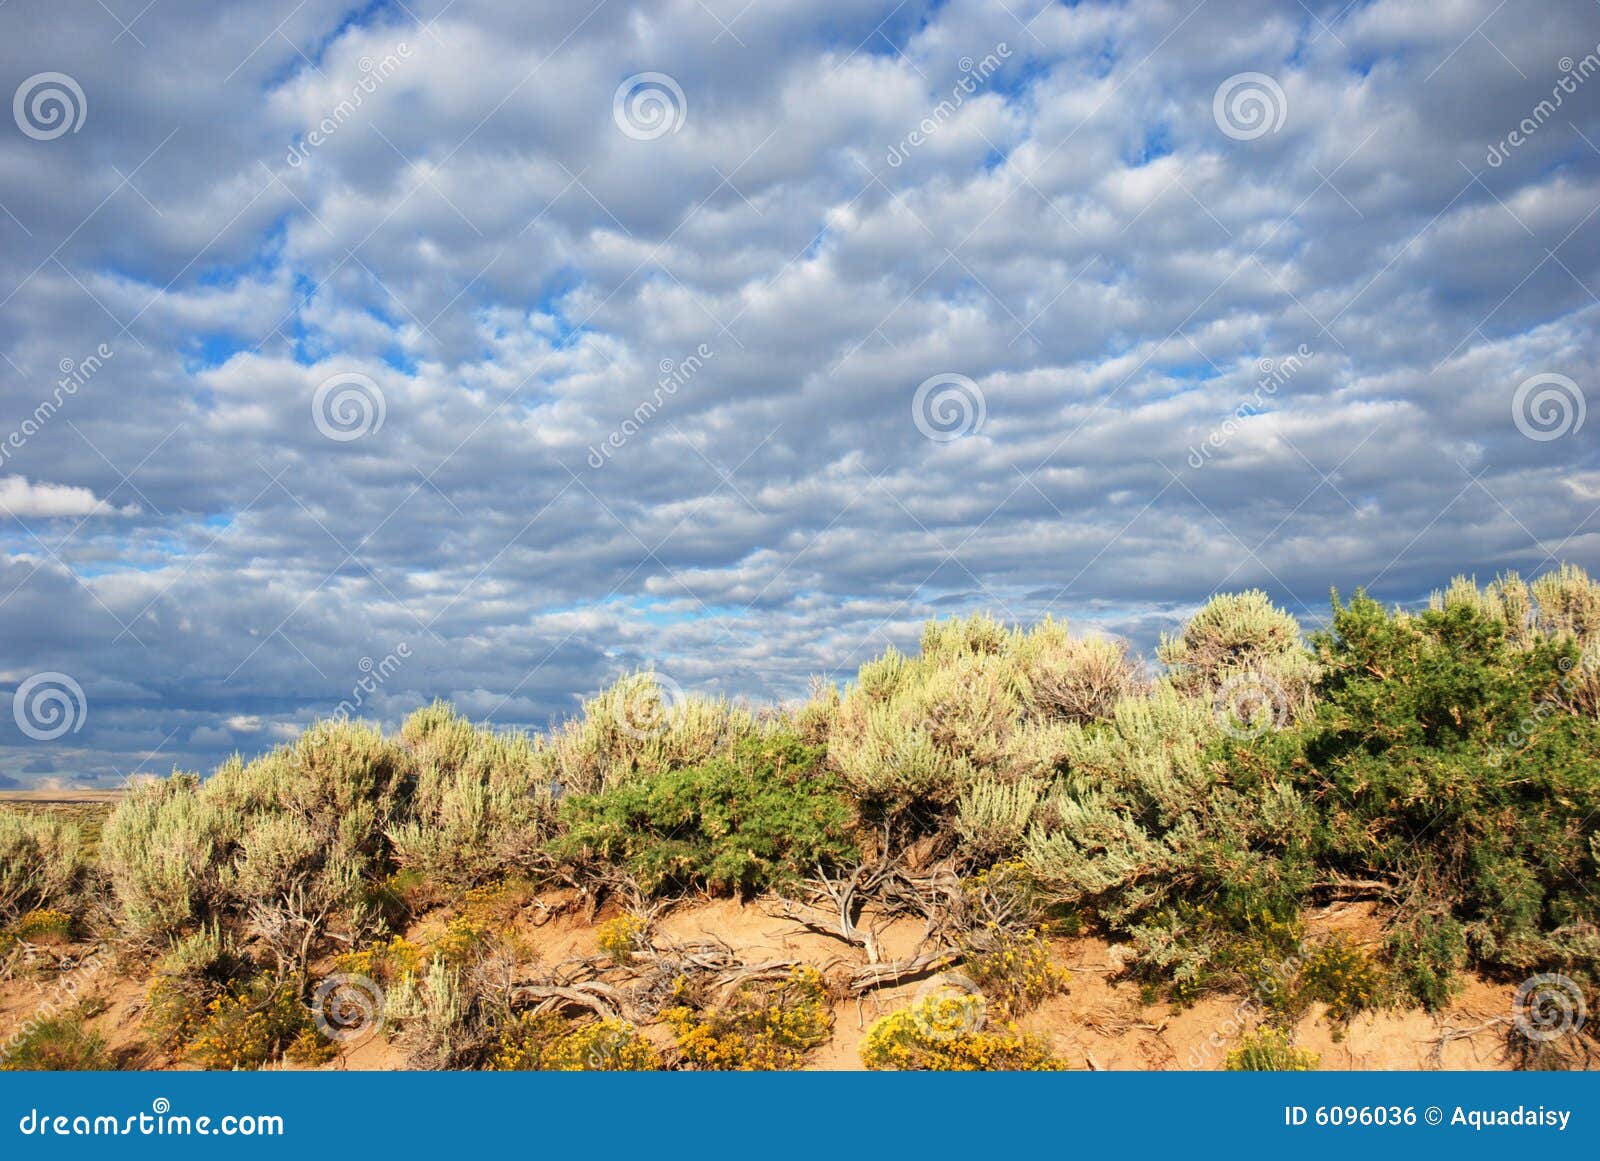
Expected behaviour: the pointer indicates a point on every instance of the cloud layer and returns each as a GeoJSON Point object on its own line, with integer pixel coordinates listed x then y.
{"type": "Point", "coordinates": [361, 357]}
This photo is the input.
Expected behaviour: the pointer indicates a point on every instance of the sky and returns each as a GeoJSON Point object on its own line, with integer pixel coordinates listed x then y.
{"type": "Point", "coordinates": [353, 356]}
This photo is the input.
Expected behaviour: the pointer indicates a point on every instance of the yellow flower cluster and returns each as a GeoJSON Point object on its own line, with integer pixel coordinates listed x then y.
{"type": "Point", "coordinates": [234, 1036]}
{"type": "Point", "coordinates": [246, 1028]}
{"type": "Point", "coordinates": [938, 1035]}
{"type": "Point", "coordinates": [762, 1029]}
{"type": "Point", "coordinates": [1014, 971]}
{"type": "Point", "coordinates": [1344, 977]}
{"type": "Point", "coordinates": [462, 936]}
{"type": "Point", "coordinates": [606, 1046]}
{"type": "Point", "coordinates": [483, 917]}
{"type": "Point", "coordinates": [385, 962]}
{"type": "Point", "coordinates": [548, 1043]}
{"type": "Point", "coordinates": [496, 903]}
{"type": "Point", "coordinates": [45, 924]}
{"type": "Point", "coordinates": [620, 936]}
{"type": "Point", "coordinates": [172, 1012]}
{"type": "Point", "coordinates": [1269, 1050]}
{"type": "Point", "coordinates": [311, 1048]}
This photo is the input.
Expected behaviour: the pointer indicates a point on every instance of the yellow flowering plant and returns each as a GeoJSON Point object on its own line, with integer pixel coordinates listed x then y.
{"type": "Point", "coordinates": [310, 1049]}
{"type": "Point", "coordinates": [247, 1026]}
{"type": "Point", "coordinates": [763, 1028]}
{"type": "Point", "coordinates": [1345, 978]}
{"type": "Point", "coordinates": [1013, 969]}
{"type": "Point", "coordinates": [619, 938]}
{"type": "Point", "coordinates": [949, 1034]}
{"type": "Point", "coordinates": [45, 925]}
{"type": "Point", "coordinates": [384, 961]}
{"type": "Point", "coordinates": [546, 1042]}
{"type": "Point", "coordinates": [1270, 1049]}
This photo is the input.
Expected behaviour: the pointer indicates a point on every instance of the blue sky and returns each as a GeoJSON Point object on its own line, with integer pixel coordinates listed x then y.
{"type": "Point", "coordinates": [432, 333]}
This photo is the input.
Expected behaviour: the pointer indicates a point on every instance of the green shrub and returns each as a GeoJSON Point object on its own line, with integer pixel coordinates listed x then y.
{"type": "Point", "coordinates": [972, 726]}
{"type": "Point", "coordinates": [292, 842]}
{"type": "Point", "coordinates": [440, 1018]}
{"type": "Point", "coordinates": [1447, 752]}
{"type": "Point", "coordinates": [482, 804]}
{"type": "Point", "coordinates": [1446, 758]}
{"type": "Point", "coordinates": [1270, 1050]}
{"type": "Point", "coordinates": [993, 817]}
{"type": "Point", "coordinates": [161, 848]}
{"type": "Point", "coordinates": [640, 728]}
{"type": "Point", "coordinates": [41, 864]}
{"type": "Point", "coordinates": [766, 814]}
{"type": "Point", "coordinates": [1201, 866]}
{"type": "Point", "coordinates": [1428, 953]}
{"type": "Point", "coordinates": [1074, 679]}
{"type": "Point", "coordinates": [58, 1043]}
{"type": "Point", "coordinates": [1239, 634]}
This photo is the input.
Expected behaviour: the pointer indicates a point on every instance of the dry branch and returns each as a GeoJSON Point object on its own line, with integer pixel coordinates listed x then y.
{"type": "Point", "coordinates": [880, 975]}
{"type": "Point", "coordinates": [603, 1000]}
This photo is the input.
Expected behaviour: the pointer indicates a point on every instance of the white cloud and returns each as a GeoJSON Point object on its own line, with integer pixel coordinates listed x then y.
{"type": "Point", "coordinates": [19, 497]}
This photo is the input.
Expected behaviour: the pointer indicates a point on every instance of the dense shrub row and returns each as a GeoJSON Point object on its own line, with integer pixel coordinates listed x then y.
{"type": "Point", "coordinates": [1441, 762]}
{"type": "Point", "coordinates": [1445, 763]}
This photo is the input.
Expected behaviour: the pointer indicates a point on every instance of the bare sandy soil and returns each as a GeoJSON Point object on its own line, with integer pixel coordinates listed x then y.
{"type": "Point", "coordinates": [1100, 1022]}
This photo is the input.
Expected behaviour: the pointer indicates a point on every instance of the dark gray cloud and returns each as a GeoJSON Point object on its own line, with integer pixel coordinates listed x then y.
{"type": "Point", "coordinates": [649, 399]}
